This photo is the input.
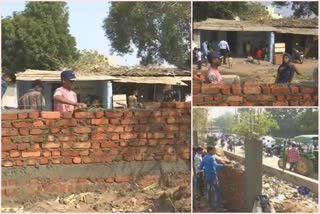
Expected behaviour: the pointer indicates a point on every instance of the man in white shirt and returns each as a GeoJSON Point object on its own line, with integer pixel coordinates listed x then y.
{"type": "Point", "coordinates": [224, 49]}
{"type": "Point", "coordinates": [269, 147]}
{"type": "Point", "coordinates": [197, 172]}
{"type": "Point", "coordinates": [199, 59]}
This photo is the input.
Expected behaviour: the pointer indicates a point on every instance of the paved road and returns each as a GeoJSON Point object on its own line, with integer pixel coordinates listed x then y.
{"type": "Point", "coordinates": [268, 161]}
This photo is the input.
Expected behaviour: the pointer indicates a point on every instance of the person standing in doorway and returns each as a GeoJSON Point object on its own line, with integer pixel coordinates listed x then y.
{"type": "Point", "coordinates": [224, 50]}
{"type": "Point", "coordinates": [65, 99]}
{"type": "Point", "coordinates": [33, 99]}
{"type": "Point", "coordinates": [293, 157]}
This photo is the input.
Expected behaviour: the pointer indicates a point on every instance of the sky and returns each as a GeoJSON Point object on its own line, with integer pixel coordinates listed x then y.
{"type": "Point", "coordinates": [218, 111]}
{"type": "Point", "coordinates": [85, 20]}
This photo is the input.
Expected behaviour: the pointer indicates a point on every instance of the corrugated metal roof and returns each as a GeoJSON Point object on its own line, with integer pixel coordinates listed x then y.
{"type": "Point", "coordinates": [156, 80]}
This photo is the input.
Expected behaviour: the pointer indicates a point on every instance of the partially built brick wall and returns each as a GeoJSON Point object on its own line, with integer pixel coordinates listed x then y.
{"type": "Point", "coordinates": [51, 153]}
{"type": "Point", "coordinates": [254, 94]}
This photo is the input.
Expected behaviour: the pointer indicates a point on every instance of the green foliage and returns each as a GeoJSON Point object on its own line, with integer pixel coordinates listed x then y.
{"type": "Point", "coordinates": [225, 122]}
{"type": "Point", "coordinates": [300, 9]}
{"type": "Point", "coordinates": [159, 30]}
{"type": "Point", "coordinates": [200, 119]}
{"type": "Point", "coordinates": [37, 37]}
{"type": "Point", "coordinates": [229, 10]}
{"type": "Point", "coordinates": [253, 124]}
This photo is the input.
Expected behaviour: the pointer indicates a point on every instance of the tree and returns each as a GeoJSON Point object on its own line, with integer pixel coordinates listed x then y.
{"type": "Point", "coordinates": [200, 119]}
{"type": "Point", "coordinates": [159, 30]}
{"type": "Point", "coordinates": [38, 37]}
{"type": "Point", "coordinates": [254, 123]}
{"type": "Point", "coordinates": [300, 8]}
{"type": "Point", "coordinates": [229, 10]}
{"type": "Point", "coordinates": [225, 122]}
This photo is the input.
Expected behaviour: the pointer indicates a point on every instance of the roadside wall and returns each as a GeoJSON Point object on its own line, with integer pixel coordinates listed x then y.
{"type": "Point", "coordinates": [253, 94]}
{"type": "Point", "coordinates": [49, 152]}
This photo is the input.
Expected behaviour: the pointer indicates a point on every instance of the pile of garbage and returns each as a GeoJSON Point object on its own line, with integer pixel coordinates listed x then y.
{"type": "Point", "coordinates": [117, 199]}
{"type": "Point", "coordinates": [287, 197]}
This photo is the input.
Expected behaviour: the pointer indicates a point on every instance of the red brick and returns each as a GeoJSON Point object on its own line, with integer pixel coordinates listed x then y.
{"type": "Point", "coordinates": [82, 145]}
{"type": "Point", "coordinates": [24, 131]}
{"type": "Point", "coordinates": [143, 113]}
{"type": "Point", "coordinates": [14, 154]}
{"type": "Point", "coordinates": [99, 114]}
{"type": "Point", "coordinates": [23, 115]}
{"type": "Point", "coordinates": [122, 179]}
{"type": "Point", "coordinates": [226, 89]}
{"type": "Point", "coordinates": [21, 124]}
{"type": "Point", "coordinates": [171, 128]}
{"type": "Point", "coordinates": [109, 144]}
{"type": "Point", "coordinates": [265, 89]}
{"type": "Point", "coordinates": [86, 160]}
{"type": "Point", "coordinates": [67, 122]}
{"type": "Point", "coordinates": [55, 161]}
{"type": "Point", "coordinates": [34, 115]}
{"type": "Point", "coordinates": [169, 113]}
{"type": "Point", "coordinates": [46, 153]}
{"type": "Point", "coordinates": [180, 105]}
{"type": "Point", "coordinates": [280, 97]}
{"type": "Point", "coordinates": [43, 161]}
{"type": "Point", "coordinates": [166, 142]}
{"type": "Point", "coordinates": [66, 131]}
{"type": "Point", "coordinates": [263, 97]}
{"type": "Point", "coordinates": [169, 157]}
{"type": "Point", "coordinates": [210, 89]}
{"type": "Point", "coordinates": [31, 162]}
{"type": "Point", "coordinates": [251, 89]}
{"type": "Point", "coordinates": [280, 103]}
{"type": "Point", "coordinates": [129, 121]}
{"type": "Point", "coordinates": [157, 120]}
{"type": "Point", "coordinates": [155, 135]}
{"type": "Point", "coordinates": [22, 146]}
{"type": "Point", "coordinates": [7, 116]}
{"type": "Point", "coordinates": [30, 154]}
{"type": "Point", "coordinates": [5, 140]}
{"type": "Point", "coordinates": [315, 98]}
{"type": "Point", "coordinates": [37, 138]}
{"type": "Point", "coordinates": [294, 89]}
{"type": "Point", "coordinates": [66, 115]}
{"type": "Point", "coordinates": [280, 89]}
{"type": "Point", "coordinates": [98, 152]}
{"type": "Point", "coordinates": [50, 145]}
{"type": "Point", "coordinates": [306, 97]}
{"type": "Point", "coordinates": [81, 130]}
{"type": "Point", "coordinates": [6, 124]}
{"type": "Point", "coordinates": [38, 123]}
{"type": "Point", "coordinates": [66, 138]}
{"type": "Point", "coordinates": [95, 145]}
{"type": "Point", "coordinates": [236, 89]}
{"type": "Point", "coordinates": [84, 115]}
{"type": "Point", "coordinates": [68, 152]}
{"type": "Point", "coordinates": [7, 163]}
{"type": "Point", "coordinates": [111, 114]}
{"type": "Point", "coordinates": [235, 98]}
{"type": "Point", "coordinates": [50, 114]}
{"type": "Point", "coordinates": [54, 130]}
{"type": "Point", "coordinates": [67, 160]}
{"type": "Point", "coordinates": [308, 90]}
{"type": "Point", "coordinates": [102, 121]}
{"type": "Point", "coordinates": [56, 153]}
{"type": "Point", "coordinates": [142, 135]}
{"type": "Point", "coordinates": [76, 160]}
{"type": "Point", "coordinates": [35, 146]}
{"type": "Point", "coordinates": [197, 99]}
{"type": "Point", "coordinates": [114, 121]}
{"type": "Point", "coordinates": [128, 136]}
{"type": "Point", "coordinates": [138, 143]}
{"type": "Point", "coordinates": [168, 105]}
{"type": "Point", "coordinates": [196, 89]}
{"type": "Point", "coordinates": [307, 103]}
{"type": "Point", "coordinates": [151, 105]}
{"type": "Point", "coordinates": [207, 98]}
{"type": "Point", "coordinates": [35, 131]}
{"type": "Point", "coordinates": [19, 163]}
{"type": "Point", "coordinates": [8, 146]}
{"type": "Point", "coordinates": [109, 180]}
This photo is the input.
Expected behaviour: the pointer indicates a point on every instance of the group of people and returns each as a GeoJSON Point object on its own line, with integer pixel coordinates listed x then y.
{"type": "Point", "coordinates": [206, 169]}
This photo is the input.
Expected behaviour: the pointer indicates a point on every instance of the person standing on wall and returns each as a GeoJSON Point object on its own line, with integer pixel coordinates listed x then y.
{"type": "Point", "coordinates": [65, 99]}
{"type": "Point", "coordinates": [33, 99]}
{"type": "Point", "coordinates": [224, 50]}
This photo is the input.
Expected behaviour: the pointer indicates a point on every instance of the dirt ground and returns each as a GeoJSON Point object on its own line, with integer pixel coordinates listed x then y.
{"type": "Point", "coordinates": [265, 72]}
{"type": "Point", "coordinates": [117, 198]}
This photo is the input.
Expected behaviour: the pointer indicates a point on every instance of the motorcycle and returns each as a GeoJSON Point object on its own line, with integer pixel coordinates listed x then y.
{"type": "Point", "coordinates": [297, 55]}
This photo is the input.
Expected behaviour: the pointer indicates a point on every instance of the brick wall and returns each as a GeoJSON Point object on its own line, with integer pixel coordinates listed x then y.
{"type": "Point", "coordinates": [253, 94]}
{"type": "Point", "coordinates": [35, 142]}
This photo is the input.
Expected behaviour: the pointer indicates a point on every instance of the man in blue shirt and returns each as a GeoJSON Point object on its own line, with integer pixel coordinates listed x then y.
{"type": "Point", "coordinates": [210, 166]}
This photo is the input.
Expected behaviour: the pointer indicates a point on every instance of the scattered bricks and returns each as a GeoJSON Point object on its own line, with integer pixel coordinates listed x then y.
{"type": "Point", "coordinates": [46, 153]}
{"type": "Point", "coordinates": [264, 97]}
{"type": "Point", "coordinates": [24, 131]}
{"type": "Point", "coordinates": [19, 163]}
{"type": "Point", "coordinates": [236, 89]}
{"type": "Point", "coordinates": [22, 146]}
{"type": "Point", "coordinates": [9, 116]}
{"type": "Point", "coordinates": [67, 122]}
{"type": "Point", "coordinates": [251, 89]}
{"type": "Point", "coordinates": [23, 115]}
{"type": "Point", "coordinates": [294, 89]}
{"type": "Point", "coordinates": [235, 99]}
{"type": "Point", "coordinates": [67, 115]}
{"type": "Point", "coordinates": [14, 154]}
{"type": "Point", "coordinates": [99, 114]}
{"type": "Point", "coordinates": [308, 90]}
{"type": "Point", "coordinates": [8, 132]}
{"type": "Point", "coordinates": [102, 121]}
{"type": "Point", "coordinates": [8, 146]}
{"type": "Point", "coordinates": [43, 161]}
{"type": "Point", "coordinates": [54, 130]}
{"type": "Point", "coordinates": [76, 160]}
{"type": "Point", "coordinates": [7, 163]}
{"type": "Point", "coordinates": [38, 123]}
{"type": "Point", "coordinates": [129, 121]}
{"type": "Point", "coordinates": [111, 114]}
{"type": "Point", "coordinates": [50, 145]}
{"type": "Point", "coordinates": [281, 98]}
{"type": "Point", "coordinates": [50, 114]}
{"type": "Point", "coordinates": [122, 179]}
{"type": "Point", "coordinates": [82, 145]}
{"type": "Point", "coordinates": [84, 115]}
{"type": "Point", "coordinates": [30, 154]}
{"type": "Point", "coordinates": [152, 105]}
{"type": "Point", "coordinates": [226, 89]}
{"type": "Point", "coordinates": [210, 89]}
{"type": "Point", "coordinates": [12, 192]}
{"type": "Point", "coordinates": [35, 131]}
{"type": "Point", "coordinates": [70, 153]}
{"type": "Point", "coordinates": [109, 144]}
{"type": "Point", "coordinates": [280, 103]}
{"type": "Point", "coordinates": [31, 162]}
{"type": "Point", "coordinates": [282, 89]}
{"type": "Point", "coordinates": [82, 130]}
{"type": "Point", "coordinates": [33, 115]}
{"type": "Point", "coordinates": [197, 99]}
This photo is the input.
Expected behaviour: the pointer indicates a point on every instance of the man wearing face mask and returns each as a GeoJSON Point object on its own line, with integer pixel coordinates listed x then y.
{"type": "Point", "coordinates": [65, 99]}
